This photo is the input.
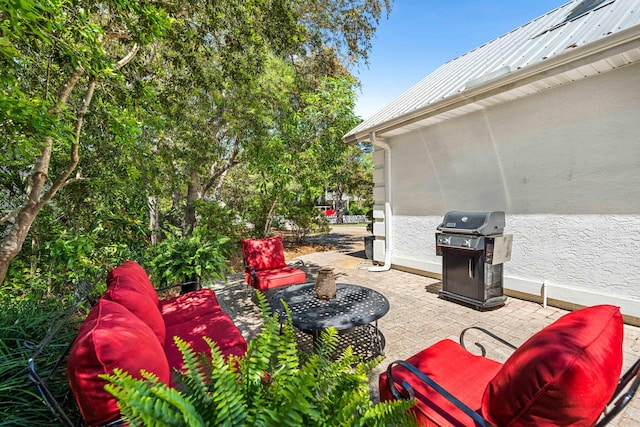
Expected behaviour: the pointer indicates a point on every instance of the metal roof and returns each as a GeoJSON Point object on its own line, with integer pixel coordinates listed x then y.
{"type": "Point", "coordinates": [546, 52]}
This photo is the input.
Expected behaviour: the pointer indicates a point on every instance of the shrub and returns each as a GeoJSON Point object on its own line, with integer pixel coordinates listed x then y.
{"type": "Point", "coordinates": [179, 259]}
{"type": "Point", "coordinates": [272, 385]}
{"type": "Point", "coordinates": [28, 321]}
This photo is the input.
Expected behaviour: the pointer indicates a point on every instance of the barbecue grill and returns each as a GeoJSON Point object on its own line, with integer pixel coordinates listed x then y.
{"type": "Point", "coordinates": [473, 247]}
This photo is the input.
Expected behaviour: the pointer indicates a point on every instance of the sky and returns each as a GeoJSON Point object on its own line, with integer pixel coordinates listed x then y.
{"type": "Point", "coordinates": [421, 35]}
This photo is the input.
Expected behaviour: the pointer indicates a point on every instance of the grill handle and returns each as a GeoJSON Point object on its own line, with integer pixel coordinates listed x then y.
{"type": "Point", "coordinates": [471, 268]}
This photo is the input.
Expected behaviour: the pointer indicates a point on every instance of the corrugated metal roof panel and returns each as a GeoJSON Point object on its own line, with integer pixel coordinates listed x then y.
{"type": "Point", "coordinates": [543, 38]}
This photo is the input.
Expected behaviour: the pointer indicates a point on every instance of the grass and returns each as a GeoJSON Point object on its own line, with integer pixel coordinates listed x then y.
{"type": "Point", "coordinates": [20, 403]}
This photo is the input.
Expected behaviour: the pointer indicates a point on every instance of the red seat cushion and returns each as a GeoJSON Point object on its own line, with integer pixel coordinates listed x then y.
{"type": "Point", "coordinates": [111, 337]}
{"type": "Point", "coordinates": [451, 366]}
{"type": "Point", "coordinates": [129, 286]}
{"type": "Point", "coordinates": [268, 279]}
{"type": "Point", "coordinates": [183, 308]}
{"type": "Point", "coordinates": [264, 254]}
{"type": "Point", "coordinates": [216, 325]}
{"type": "Point", "coordinates": [562, 376]}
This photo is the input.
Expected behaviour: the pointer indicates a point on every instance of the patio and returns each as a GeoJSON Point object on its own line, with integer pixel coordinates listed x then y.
{"type": "Point", "coordinates": [417, 317]}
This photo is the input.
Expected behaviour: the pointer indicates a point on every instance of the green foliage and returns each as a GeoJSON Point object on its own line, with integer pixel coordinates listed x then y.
{"type": "Point", "coordinates": [28, 319]}
{"type": "Point", "coordinates": [304, 218]}
{"type": "Point", "coordinates": [198, 256]}
{"type": "Point", "coordinates": [272, 385]}
{"type": "Point", "coordinates": [215, 86]}
{"type": "Point", "coordinates": [220, 220]}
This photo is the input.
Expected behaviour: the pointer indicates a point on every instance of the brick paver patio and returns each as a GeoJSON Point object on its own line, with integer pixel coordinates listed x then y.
{"type": "Point", "coordinates": [417, 318]}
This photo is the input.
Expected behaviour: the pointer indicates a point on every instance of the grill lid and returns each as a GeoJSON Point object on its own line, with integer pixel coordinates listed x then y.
{"type": "Point", "coordinates": [478, 223]}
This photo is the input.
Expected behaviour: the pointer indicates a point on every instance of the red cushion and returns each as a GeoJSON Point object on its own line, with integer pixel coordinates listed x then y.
{"type": "Point", "coordinates": [451, 366]}
{"type": "Point", "coordinates": [129, 286]}
{"type": "Point", "coordinates": [183, 308]}
{"type": "Point", "coordinates": [111, 337]}
{"type": "Point", "coordinates": [268, 279]}
{"type": "Point", "coordinates": [562, 376]}
{"type": "Point", "coordinates": [133, 270]}
{"type": "Point", "coordinates": [263, 254]}
{"type": "Point", "coordinates": [216, 325]}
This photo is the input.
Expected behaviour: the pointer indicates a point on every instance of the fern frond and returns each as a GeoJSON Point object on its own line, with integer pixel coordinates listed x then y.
{"type": "Point", "coordinates": [147, 401]}
{"type": "Point", "coordinates": [327, 343]}
{"type": "Point", "coordinates": [388, 414]}
{"type": "Point", "coordinates": [192, 368]}
{"type": "Point", "coordinates": [227, 400]}
{"type": "Point", "coordinates": [193, 380]}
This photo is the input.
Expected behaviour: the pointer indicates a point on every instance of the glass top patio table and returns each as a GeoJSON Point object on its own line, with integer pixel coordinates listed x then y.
{"type": "Point", "coordinates": [352, 306]}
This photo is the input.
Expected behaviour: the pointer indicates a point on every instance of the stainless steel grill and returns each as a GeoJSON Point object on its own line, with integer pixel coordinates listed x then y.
{"type": "Point", "coordinates": [473, 247]}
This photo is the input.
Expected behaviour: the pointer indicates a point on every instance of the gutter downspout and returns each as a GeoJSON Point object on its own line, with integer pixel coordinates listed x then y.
{"type": "Point", "coordinates": [387, 203]}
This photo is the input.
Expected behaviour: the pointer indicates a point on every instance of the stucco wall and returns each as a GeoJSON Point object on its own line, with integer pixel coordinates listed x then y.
{"type": "Point", "coordinates": [565, 167]}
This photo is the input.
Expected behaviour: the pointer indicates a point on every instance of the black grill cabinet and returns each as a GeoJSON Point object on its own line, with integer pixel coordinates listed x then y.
{"type": "Point", "coordinates": [473, 247]}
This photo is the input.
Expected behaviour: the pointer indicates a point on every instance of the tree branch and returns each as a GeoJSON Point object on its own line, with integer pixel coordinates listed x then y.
{"type": "Point", "coordinates": [67, 88]}
{"type": "Point", "coordinates": [217, 172]}
{"type": "Point", "coordinates": [11, 214]}
{"type": "Point", "coordinates": [75, 154]}
{"type": "Point", "coordinates": [128, 57]}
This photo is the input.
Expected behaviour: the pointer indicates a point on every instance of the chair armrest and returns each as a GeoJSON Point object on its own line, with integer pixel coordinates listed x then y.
{"type": "Point", "coordinates": [480, 346]}
{"type": "Point", "coordinates": [397, 393]}
{"type": "Point", "coordinates": [252, 271]}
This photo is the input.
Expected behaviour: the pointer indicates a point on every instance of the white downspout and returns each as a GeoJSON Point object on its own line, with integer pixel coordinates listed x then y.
{"type": "Point", "coordinates": [387, 203]}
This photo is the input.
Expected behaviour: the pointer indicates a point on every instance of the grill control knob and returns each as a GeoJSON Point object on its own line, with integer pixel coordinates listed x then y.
{"type": "Point", "coordinates": [467, 243]}
{"type": "Point", "coordinates": [444, 240]}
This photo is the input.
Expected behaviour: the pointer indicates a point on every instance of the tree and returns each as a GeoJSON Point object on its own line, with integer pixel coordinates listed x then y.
{"type": "Point", "coordinates": [54, 54]}
{"type": "Point", "coordinates": [224, 116]}
{"type": "Point", "coordinates": [197, 79]}
{"type": "Point", "coordinates": [327, 117]}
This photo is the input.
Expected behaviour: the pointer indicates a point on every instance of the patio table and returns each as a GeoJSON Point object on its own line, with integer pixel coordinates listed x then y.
{"type": "Point", "coordinates": [354, 311]}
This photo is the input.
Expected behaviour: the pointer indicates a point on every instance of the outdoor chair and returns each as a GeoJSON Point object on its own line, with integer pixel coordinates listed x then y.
{"type": "Point", "coordinates": [48, 364]}
{"type": "Point", "coordinates": [565, 375]}
{"type": "Point", "coordinates": [265, 265]}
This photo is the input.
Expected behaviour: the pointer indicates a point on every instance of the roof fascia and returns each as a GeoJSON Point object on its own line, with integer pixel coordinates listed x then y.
{"type": "Point", "coordinates": [583, 55]}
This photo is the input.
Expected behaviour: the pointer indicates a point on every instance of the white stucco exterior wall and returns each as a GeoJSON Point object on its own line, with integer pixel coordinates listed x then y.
{"type": "Point", "coordinates": [565, 167]}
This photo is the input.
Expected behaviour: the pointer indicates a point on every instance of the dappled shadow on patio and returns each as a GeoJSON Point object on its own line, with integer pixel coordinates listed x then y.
{"type": "Point", "coordinates": [346, 239]}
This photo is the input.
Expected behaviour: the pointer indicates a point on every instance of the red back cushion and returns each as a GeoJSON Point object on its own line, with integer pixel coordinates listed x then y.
{"type": "Point", "coordinates": [562, 376]}
{"type": "Point", "coordinates": [111, 337]}
{"type": "Point", "coordinates": [264, 254]}
{"type": "Point", "coordinates": [129, 286]}
{"type": "Point", "coordinates": [134, 271]}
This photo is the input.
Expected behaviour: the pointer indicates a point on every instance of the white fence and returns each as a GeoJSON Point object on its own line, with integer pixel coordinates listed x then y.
{"type": "Point", "coordinates": [348, 219]}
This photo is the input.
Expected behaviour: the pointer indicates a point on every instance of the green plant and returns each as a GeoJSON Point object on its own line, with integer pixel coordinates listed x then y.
{"type": "Point", "coordinates": [272, 385]}
{"type": "Point", "coordinates": [179, 259]}
{"type": "Point", "coordinates": [21, 322]}
{"type": "Point", "coordinates": [304, 219]}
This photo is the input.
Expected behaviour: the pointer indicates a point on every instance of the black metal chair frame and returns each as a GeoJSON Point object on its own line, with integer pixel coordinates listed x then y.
{"type": "Point", "coordinates": [37, 367]}
{"type": "Point", "coordinates": [627, 385]}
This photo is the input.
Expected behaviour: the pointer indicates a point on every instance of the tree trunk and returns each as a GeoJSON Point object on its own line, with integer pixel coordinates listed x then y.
{"type": "Point", "coordinates": [269, 219]}
{"type": "Point", "coordinates": [36, 197]}
{"type": "Point", "coordinates": [193, 194]}
{"type": "Point", "coordinates": [154, 219]}
{"type": "Point", "coordinates": [339, 205]}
